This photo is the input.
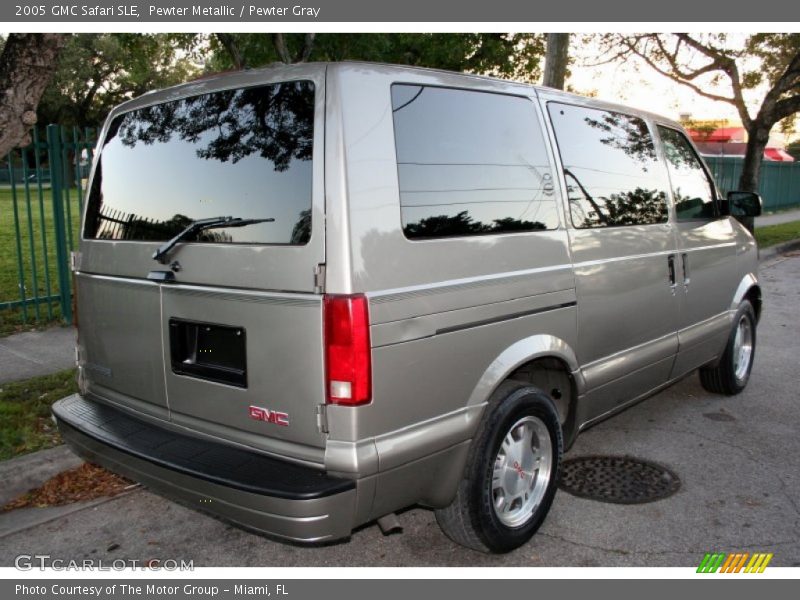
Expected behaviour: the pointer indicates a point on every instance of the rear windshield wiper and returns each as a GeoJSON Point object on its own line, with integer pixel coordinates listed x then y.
{"type": "Point", "coordinates": [200, 225]}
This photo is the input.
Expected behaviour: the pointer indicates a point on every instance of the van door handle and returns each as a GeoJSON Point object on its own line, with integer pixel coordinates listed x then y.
{"type": "Point", "coordinates": [686, 278]}
{"type": "Point", "coordinates": [671, 267]}
{"type": "Point", "coordinates": [161, 276]}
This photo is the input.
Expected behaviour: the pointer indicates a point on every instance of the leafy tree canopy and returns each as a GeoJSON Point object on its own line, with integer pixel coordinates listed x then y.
{"type": "Point", "coordinates": [794, 148]}
{"type": "Point", "coordinates": [98, 71]}
{"type": "Point", "coordinates": [505, 55]}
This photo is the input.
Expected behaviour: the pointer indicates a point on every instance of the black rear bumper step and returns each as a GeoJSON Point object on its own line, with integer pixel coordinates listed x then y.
{"type": "Point", "coordinates": [212, 461]}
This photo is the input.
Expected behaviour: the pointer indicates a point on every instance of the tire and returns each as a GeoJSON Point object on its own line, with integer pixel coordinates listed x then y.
{"type": "Point", "coordinates": [498, 515]}
{"type": "Point", "coordinates": [731, 374]}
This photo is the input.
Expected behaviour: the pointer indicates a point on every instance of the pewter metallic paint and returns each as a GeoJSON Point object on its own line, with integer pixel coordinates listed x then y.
{"type": "Point", "coordinates": [451, 319]}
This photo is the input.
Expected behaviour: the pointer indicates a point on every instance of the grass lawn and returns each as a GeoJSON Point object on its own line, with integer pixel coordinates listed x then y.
{"type": "Point", "coordinates": [777, 234]}
{"type": "Point", "coordinates": [31, 219]}
{"type": "Point", "coordinates": [25, 423]}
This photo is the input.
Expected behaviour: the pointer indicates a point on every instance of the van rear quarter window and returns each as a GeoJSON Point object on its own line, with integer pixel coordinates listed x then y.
{"type": "Point", "coordinates": [611, 169]}
{"type": "Point", "coordinates": [244, 153]}
{"type": "Point", "coordinates": [470, 163]}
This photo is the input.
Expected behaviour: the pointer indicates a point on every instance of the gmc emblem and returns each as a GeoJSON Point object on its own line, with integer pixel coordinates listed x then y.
{"type": "Point", "coordinates": [270, 416]}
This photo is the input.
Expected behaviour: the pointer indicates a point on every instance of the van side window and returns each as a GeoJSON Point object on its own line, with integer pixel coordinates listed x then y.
{"type": "Point", "coordinates": [470, 163]}
{"type": "Point", "coordinates": [244, 153]}
{"type": "Point", "coordinates": [691, 189]}
{"type": "Point", "coordinates": [612, 173]}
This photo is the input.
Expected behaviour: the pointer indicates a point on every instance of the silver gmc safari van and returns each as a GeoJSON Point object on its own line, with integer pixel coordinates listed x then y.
{"type": "Point", "coordinates": [313, 295]}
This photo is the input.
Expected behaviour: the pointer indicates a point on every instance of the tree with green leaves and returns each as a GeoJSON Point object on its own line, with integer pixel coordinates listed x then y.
{"type": "Point", "coordinates": [95, 72]}
{"type": "Point", "coordinates": [514, 56]}
{"type": "Point", "coordinates": [793, 148]}
{"type": "Point", "coordinates": [98, 71]}
{"type": "Point", "coordinates": [763, 63]}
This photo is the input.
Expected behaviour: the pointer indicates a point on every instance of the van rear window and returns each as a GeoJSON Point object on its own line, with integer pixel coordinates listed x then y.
{"type": "Point", "coordinates": [243, 153]}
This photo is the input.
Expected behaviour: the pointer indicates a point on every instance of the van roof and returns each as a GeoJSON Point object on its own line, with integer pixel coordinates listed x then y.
{"type": "Point", "coordinates": [234, 79]}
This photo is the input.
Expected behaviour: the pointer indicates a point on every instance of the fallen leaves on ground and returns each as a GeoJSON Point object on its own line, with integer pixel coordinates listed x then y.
{"type": "Point", "coordinates": [83, 483]}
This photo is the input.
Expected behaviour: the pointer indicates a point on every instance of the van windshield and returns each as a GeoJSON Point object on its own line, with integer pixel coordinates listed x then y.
{"type": "Point", "coordinates": [244, 152]}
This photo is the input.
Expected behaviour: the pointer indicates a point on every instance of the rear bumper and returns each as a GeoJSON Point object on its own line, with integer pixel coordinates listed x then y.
{"type": "Point", "coordinates": [261, 493]}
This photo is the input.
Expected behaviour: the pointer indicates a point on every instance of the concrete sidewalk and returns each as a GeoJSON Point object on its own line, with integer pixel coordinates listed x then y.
{"type": "Point", "coordinates": [778, 218]}
{"type": "Point", "coordinates": [36, 353]}
{"type": "Point", "coordinates": [28, 471]}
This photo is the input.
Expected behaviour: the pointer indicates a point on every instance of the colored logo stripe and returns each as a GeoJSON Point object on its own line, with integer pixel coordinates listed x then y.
{"type": "Point", "coordinates": [734, 562]}
{"type": "Point", "coordinates": [758, 563]}
{"type": "Point", "coordinates": [711, 562]}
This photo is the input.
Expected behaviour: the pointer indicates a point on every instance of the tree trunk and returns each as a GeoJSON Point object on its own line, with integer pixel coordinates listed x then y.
{"type": "Point", "coordinates": [279, 41]}
{"type": "Point", "coordinates": [757, 140]}
{"type": "Point", "coordinates": [27, 65]}
{"type": "Point", "coordinates": [308, 46]}
{"type": "Point", "coordinates": [555, 62]}
{"type": "Point", "coordinates": [282, 49]}
{"type": "Point", "coordinates": [229, 43]}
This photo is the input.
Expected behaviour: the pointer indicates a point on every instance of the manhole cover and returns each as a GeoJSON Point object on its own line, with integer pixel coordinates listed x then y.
{"type": "Point", "coordinates": [617, 479]}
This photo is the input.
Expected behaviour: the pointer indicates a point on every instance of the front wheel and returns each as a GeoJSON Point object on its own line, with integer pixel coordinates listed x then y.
{"type": "Point", "coordinates": [511, 475]}
{"type": "Point", "coordinates": [732, 373]}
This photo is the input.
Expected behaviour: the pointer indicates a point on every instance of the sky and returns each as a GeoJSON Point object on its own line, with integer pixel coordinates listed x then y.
{"type": "Point", "coordinates": [646, 89]}
{"type": "Point", "coordinates": [638, 85]}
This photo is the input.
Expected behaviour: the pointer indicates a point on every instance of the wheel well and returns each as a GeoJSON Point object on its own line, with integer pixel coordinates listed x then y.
{"type": "Point", "coordinates": [754, 296]}
{"type": "Point", "coordinates": [553, 376]}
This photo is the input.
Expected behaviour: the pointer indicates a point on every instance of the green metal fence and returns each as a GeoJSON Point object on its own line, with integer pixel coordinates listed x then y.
{"type": "Point", "coordinates": [779, 183]}
{"type": "Point", "coordinates": [41, 196]}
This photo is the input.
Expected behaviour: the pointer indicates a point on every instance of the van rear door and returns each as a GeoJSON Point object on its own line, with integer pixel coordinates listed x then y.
{"type": "Point", "coordinates": [224, 333]}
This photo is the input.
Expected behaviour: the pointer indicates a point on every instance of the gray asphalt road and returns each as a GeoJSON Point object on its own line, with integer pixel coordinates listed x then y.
{"type": "Point", "coordinates": [738, 459]}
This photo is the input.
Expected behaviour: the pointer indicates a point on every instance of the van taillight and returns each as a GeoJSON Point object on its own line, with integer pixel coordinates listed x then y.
{"type": "Point", "coordinates": [348, 364]}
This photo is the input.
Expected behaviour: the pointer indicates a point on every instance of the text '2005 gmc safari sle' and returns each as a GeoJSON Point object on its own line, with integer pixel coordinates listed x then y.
{"type": "Point", "coordinates": [313, 295]}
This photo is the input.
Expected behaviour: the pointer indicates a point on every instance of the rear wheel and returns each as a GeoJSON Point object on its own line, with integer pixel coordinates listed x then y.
{"type": "Point", "coordinates": [511, 475]}
{"type": "Point", "coordinates": [732, 373]}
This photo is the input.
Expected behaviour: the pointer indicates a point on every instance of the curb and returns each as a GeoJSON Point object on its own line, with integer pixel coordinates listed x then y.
{"type": "Point", "coordinates": [23, 473]}
{"type": "Point", "coordinates": [33, 517]}
{"type": "Point", "coordinates": [773, 251]}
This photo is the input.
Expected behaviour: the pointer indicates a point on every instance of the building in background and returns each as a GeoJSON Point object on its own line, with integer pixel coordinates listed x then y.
{"type": "Point", "coordinates": [728, 138]}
